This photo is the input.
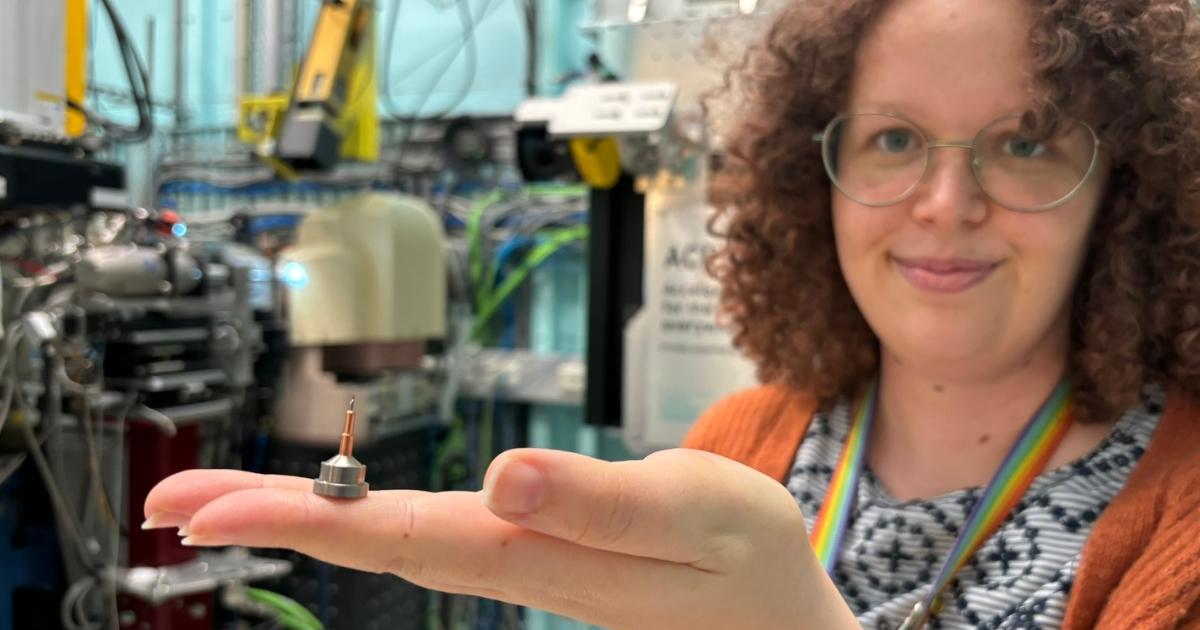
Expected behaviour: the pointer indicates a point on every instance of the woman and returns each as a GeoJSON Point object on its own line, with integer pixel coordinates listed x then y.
{"type": "Point", "coordinates": [952, 227]}
{"type": "Point", "coordinates": [985, 271]}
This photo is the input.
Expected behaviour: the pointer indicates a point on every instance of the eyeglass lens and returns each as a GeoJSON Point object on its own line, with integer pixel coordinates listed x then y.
{"type": "Point", "coordinates": [878, 159]}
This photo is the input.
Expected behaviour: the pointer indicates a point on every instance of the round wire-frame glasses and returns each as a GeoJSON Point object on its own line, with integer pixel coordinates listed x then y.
{"type": "Point", "coordinates": [880, 159]}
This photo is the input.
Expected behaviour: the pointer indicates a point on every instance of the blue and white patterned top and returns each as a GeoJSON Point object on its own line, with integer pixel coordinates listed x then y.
{"type": "Point", "coordinates": [1020, 578]}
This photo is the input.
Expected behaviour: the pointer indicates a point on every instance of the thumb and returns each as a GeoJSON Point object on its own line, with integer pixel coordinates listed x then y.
{"type": "Point", "coordinates": [679, 505]}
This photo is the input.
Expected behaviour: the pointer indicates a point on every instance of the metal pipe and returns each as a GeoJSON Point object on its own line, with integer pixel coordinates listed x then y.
{"type": "Point", "coordinates": [269, 21]}
{"type": "Point", "coordinates": [180, 63]}
{"type": "Point", "coordinates": [288, 19]}
{"type": "Point", "coordinates": [148, 181]}
{"type": "Point", "coordinates": [241, 44]}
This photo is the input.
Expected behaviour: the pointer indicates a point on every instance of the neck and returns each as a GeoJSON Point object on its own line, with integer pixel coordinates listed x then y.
{"type": "Point", "coordinates": [935, 432]}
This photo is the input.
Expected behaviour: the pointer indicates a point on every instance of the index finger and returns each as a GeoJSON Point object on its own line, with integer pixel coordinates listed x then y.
{"type": "Point", "coordinates": [184, 493]}
{"type": "Point", "coordinates": [450, 541]}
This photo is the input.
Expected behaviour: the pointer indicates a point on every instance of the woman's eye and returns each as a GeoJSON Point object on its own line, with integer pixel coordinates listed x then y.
{"type": "Point", "coordinates": [1025, 148]}
{"type": "Point", "coordinates": [895, 141]}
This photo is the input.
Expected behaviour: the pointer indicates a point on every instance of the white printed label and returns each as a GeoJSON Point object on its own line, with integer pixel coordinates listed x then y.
{"type": "Point", "coordinates": [613, 109]}
{"type": "Point", "coordinates": [110, 198]}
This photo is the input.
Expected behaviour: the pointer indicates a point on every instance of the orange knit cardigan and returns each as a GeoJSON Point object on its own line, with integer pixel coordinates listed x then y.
{"type": "Point", "coordinates": [1141, 565]}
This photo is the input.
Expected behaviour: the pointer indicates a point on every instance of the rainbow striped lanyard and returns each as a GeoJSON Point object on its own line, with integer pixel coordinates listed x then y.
{"type": "Point", "coordinates": [1024, 462]}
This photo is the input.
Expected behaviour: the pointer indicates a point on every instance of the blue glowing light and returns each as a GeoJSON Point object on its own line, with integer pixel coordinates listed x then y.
{"type": "Point", "coordinates": [294, 275]}
{"type": "Point", "coordinates": [179, 230]}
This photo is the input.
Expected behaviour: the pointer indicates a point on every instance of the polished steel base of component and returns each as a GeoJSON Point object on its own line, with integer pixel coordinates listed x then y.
{"type": "Point", "coordinates": [342, 477]}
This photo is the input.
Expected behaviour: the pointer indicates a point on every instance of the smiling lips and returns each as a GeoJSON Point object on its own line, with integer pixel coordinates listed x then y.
{"type": "Point", "coordinates": [944, 275]}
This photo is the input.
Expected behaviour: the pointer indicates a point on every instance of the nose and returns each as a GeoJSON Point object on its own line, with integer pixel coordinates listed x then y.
{"type": "Point", "coordinates": [949, 196]}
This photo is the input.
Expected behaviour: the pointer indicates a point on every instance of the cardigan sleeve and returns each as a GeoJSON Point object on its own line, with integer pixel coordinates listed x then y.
{"type": "Point", "coordinates": [760, 427]}
{"type": "Point", "coordinates": [1141, 565]}
{"type": "Point", "coordinates": [1161, 588]}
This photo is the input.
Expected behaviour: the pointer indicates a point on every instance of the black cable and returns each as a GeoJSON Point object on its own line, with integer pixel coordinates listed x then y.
{"type": "Point", "coordinates": [468, 23]}
{"type": "Point", "coordinates": [67, 518]}
{"type": "Point", "coordinates": [133, 62]}
{"type": "Point", "coordinates": [531, 47]}
{"type": "Point", "coordinates": [139, 86]}
{"type": "Point", "coordinates": [449, 47]}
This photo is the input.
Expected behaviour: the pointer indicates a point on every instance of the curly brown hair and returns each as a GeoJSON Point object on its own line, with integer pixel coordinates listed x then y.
{"type": "Point", "coordinates": [1129, 67]}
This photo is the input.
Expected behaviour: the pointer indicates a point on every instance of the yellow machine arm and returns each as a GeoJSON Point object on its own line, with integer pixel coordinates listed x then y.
{"type": "Point", "coordinates": [331, 112]}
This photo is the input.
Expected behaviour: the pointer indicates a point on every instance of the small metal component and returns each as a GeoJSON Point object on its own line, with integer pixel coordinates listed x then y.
{"type": "Point", "coordinates": [919, 616]}
{"type": "Point", "coordinates": [342, 476]}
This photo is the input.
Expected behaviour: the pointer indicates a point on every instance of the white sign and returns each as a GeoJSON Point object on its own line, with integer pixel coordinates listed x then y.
{"type": "Point", "coordinates": [605, 109]}
{"type": "Point", "coordinates": [678, 361]}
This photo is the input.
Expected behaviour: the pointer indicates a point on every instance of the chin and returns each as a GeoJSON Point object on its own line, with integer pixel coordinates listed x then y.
{"type": "Point", "coordinates": [944, 339]}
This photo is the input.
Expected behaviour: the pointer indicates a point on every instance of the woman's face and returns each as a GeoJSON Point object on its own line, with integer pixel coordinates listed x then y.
{"type": "Point", "coordinates": [947, 278]}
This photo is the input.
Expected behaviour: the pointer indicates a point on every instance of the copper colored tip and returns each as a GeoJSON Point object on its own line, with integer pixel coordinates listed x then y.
{"type": "Point", "coordinates": [347, 444]}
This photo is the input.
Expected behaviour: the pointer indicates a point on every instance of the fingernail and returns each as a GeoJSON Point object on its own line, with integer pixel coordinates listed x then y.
{"type": "Point", "coordinates": [202, 541]}
{"type": "Point", "coordinates": [517, 489]}
{"type": "Point", "coordinates": [162, 520]}
{"type": "Point", "coordinates": [183, 531]}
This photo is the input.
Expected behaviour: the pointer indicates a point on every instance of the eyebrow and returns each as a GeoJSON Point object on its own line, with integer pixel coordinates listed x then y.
{"type": "Point", "coordinates": [912, 113]}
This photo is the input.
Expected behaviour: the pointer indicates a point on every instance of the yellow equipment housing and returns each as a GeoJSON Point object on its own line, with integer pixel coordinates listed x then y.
{"type": "Point", "coordinates": [331, 113]}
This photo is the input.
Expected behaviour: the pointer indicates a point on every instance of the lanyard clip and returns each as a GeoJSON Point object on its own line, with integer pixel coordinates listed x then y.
{"type": "Point", "coordinates": [917, 618]}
